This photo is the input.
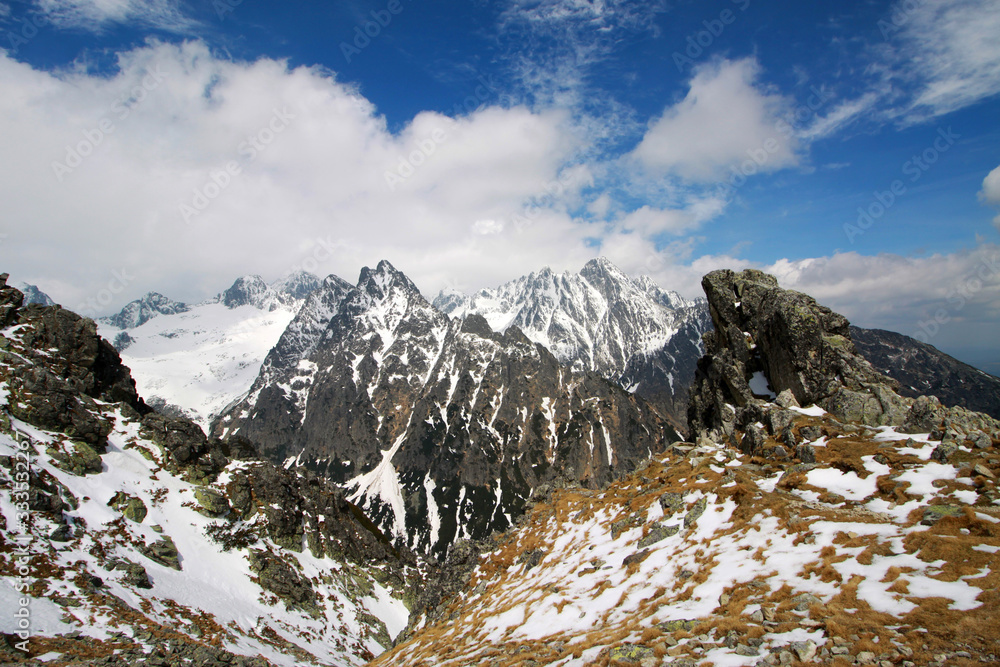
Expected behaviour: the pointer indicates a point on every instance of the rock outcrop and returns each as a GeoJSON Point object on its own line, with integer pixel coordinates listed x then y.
{"type": "Point", "coordinates": [772, 343]}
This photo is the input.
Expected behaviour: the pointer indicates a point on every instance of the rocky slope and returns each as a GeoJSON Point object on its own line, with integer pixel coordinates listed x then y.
{"type": "Point", "coordinates": [785, 535]}
{"type": "Point", "coordinates": [129, 538]}
{"type": "Point", "coordinates": [922, 369]}
{"type": "Point", "coordinates": [442, 427]}
{"type": "Point", "coordinates": [193, 360]}
{"type": "Point", "coordinates": [628, 330]}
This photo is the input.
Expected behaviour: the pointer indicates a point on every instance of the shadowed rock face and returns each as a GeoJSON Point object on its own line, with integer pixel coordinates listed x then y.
{"type": "Point", "coordinates": [803, 350]}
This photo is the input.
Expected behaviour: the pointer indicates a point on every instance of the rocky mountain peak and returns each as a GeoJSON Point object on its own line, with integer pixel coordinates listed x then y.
{"type": "Point", "coordinates": [33, 295]}
{"type": "Point", "coordinates": [298, 284]}
{"type": "Point", "coordinates": [138, 312]}
{"type": "Point", "coordinates": [384, 281]}
{"type": "Point", "coordinates": [251, 291]}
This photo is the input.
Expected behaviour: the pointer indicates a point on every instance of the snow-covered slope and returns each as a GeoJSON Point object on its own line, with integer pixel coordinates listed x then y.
{"type": "Point", "coordinates": [876, 554]}
{"type": "Point", "coordinates": [196, 359]}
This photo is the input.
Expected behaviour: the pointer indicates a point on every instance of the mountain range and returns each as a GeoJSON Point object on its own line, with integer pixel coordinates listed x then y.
{"type": "Point", "coordinates": [442, 426]}
{"type": "Point", "coordinates": [424, 489]}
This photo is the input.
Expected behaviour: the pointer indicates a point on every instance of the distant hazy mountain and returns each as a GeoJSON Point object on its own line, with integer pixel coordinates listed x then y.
{"type": "Point", "coordinates": [922, 369]}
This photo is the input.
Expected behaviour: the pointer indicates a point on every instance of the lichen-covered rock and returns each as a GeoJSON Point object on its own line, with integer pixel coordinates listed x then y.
{"type": "Point", "coordinates": [631, 654]}
{"type": "Point", "coordinates": [131, 507]}
{"type": "Point", "coordinates": [657, 534]}
{"type": "Point", "coordinates": [76, 458]}
{"type": "Point", "coordinates": [164, 552]}
{"type": "Point", "coordinates": [211, 501]}
{"type": "Point", "coordinates": [935, 513]}
{"type": "Point", "coordinates": [805, 352]}
{"type": "Point", "coordinates": [278, 577]}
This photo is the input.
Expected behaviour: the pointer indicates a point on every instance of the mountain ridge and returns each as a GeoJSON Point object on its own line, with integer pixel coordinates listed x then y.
{"type": "Point", "coordinates": [429, 417]}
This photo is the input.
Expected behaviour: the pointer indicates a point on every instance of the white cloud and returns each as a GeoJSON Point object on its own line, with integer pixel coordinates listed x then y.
{"type": "Point", "coordinates": [175, 116]}
{"type": "Point", "coordinates": [949, 49]}
{"type": "Point", "coordinates": [991, 187]}
{"type": "Point", "coordinates": [991, 192]}
{"type": "Point", "coordinates": [725, 121]}
{"type": "Point", "coordinates": [95, 15]}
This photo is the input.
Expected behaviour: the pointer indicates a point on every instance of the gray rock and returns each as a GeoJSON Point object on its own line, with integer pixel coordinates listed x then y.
{"type": "Point", "coordinates": [695, 512]}
{"type": "Point", "coordinates": [211, 501]}
{"type": "Point", "coordinates": [658, 533]}
{"type": "Point", "coordinates": [786, 399]}
{"type": "Point", "coordinates": [944, 451]}
{"type": "Point", "coordinates": [671, 502]}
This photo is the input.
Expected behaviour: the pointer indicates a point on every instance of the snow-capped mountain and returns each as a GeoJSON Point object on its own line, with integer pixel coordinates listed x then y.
{"type": "Point", "coordinates": [629, 330]}
{"type": "Point", "coordinates": [441, 426]}
{"type": "Point", "coordinates": [131, 539]}
{"type": "Point", "coordinates": [33, 295]}
{"type": "Point", "coordinates": [138, 312]}
{"type": "Point", "coordinates": [196, 359]}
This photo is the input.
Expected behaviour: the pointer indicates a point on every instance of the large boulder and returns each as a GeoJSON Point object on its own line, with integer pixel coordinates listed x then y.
{"type": "Point", "coordinates": [775, 344]}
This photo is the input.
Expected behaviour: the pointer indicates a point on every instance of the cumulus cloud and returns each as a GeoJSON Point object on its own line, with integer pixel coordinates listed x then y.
{"type": "Point", "coordinates": [944, 299]}
{"type": "Point", "coordinates": [184, 170]}
{"type": "Point", "coordinates": [948, 50]}
{"type": "Point", "coordinates": [725, 120]}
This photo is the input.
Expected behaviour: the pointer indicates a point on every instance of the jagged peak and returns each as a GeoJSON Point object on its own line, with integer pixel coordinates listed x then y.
{"type": "Point", "coordinates": [297, 284]}
{"type": "Point", "coordinates": [602, 264]}
{"type": "Point", "coordinates": [379, 281]}
{"type": "Point", "coordinates": [33, 295]}
{"type": "Point", "coordinates": [252, 290]}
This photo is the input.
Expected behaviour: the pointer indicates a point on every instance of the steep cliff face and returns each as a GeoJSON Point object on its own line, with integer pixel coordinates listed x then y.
{"type": "Point", "coordinates": [137, 540]}
{"type": "Point", "coordinates": [441, 427]}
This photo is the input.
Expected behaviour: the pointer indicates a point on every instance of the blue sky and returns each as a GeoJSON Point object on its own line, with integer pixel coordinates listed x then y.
{"type": "Point", "coordinates": [853, 149]}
